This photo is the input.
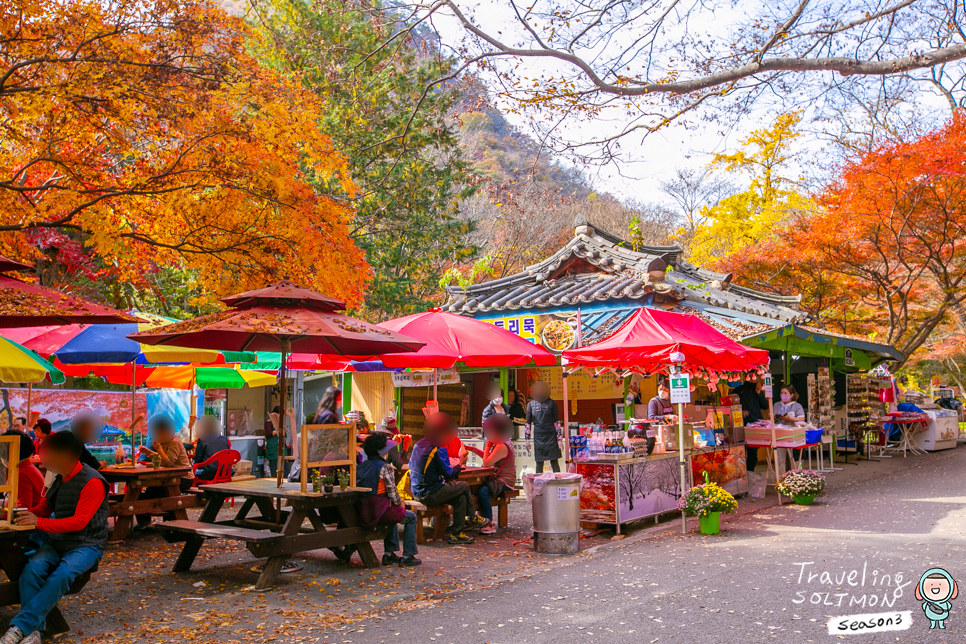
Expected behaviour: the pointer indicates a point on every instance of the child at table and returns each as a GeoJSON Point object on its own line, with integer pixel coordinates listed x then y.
{"type": "Point", "coordinates": [75, 538]}
{"type": "Point", "coordinates": [30, 486]}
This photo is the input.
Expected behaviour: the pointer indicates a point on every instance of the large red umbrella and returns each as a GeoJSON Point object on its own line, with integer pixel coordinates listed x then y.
{"type": "Point", "coordinates": [7, 265]}
{"type": "Point", "coordinates": [452, 339]}
{"type": "Point", "coordinates": [23, 304]}
{"type": "Point", "coordinates": [283, 317]}
{"type": "Point", "coordinates": [649, 338]}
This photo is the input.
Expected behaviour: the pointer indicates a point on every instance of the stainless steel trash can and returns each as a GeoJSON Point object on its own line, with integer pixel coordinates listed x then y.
{"type": "Point", "coordinates": [556, 515]}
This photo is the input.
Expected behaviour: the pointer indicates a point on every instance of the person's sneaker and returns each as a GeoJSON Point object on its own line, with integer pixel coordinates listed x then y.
{"type": "Point", "coordinates": [33, 638]}
{"type": "Point", "coordinates": [390, 558]}
{"type": "Point", "coordinates": [476, 522]}
{"type": "Point", "coordinates": [459, 537]}
{"type": "Point", "coordinates": [489, 528]}
{"type": "Point", "coordinates": [409, 561]}
{"type": "Point", "coordinates": [13, 636]}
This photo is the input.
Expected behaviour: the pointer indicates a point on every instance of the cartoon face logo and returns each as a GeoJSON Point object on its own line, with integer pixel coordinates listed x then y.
{"type": "Point", "coordinates": [936, 591]}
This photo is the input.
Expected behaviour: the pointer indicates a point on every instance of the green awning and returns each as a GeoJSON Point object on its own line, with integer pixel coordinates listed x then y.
{"type": "Point", "coordinates": [849, 352]}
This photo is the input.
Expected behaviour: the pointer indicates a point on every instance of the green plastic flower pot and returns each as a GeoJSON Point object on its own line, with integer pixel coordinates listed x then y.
{"type": "Point", "coordinates": [711, 523]}
{"type": "Point", "coordinates": [804, 499]}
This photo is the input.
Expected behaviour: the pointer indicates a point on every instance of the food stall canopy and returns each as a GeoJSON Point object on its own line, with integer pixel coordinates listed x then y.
{"type": "Point", "coordinates": [8, 265]}
{"type": "Point", "coordinates": [848, 351]}
{"type": "Point", "coordinates": [452, 339]}
{"type": "Point", "coordinates": [650, 337]}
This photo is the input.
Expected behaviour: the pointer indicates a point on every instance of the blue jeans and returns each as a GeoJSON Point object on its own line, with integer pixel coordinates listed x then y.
{"type": "Point", "coordinates": [391, 543]}
{"type": "Point", "coordinates": [46, 578]}
{"type": "Point", "coordinates": [486, 506]}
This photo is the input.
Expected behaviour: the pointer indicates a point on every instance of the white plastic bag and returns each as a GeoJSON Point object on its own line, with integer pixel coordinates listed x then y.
{"type": "Point", "coordinates": [533, 484]}
{"type": "Point", "coordinates": [756, 485]}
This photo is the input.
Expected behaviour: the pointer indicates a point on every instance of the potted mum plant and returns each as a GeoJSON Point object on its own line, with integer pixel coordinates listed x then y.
{"type": "Point", "coordinates": [707, 502]}
{"type": "Point", "coordinates": [802, 485]}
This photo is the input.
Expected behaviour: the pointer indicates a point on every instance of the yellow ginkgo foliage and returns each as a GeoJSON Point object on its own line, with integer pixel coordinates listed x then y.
{"type": "Point", "coordinates": [772, 196]}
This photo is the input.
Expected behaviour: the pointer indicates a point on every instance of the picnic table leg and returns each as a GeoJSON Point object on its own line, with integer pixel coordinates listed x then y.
{"type": "Point", "coordinates": [351, 520]}
{"type": "Point", "coordinates": [174, 490]}
{"type": "Point", "coordinates": [273, 566]}
{"type": "Point", "coordinates": [123, 522]}
{"type": "Point", "coordinates": [193, 543]}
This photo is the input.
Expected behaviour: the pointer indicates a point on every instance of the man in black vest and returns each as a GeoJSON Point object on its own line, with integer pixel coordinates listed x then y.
{"type": "Point", "coordinates": [75, 538]}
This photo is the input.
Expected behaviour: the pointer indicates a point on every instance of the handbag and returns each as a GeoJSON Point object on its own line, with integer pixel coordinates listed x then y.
{"type": "Point", "coordinates": [404, 486]}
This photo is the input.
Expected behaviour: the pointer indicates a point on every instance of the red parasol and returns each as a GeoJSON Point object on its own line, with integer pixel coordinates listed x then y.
{"type": "Point", "coordinates": [647, 340]}
{"type": "Point", "coordinates": [452, 338]}
{"type": "Point", "coordinates": [7, 265]}
{"type": "Point", "coordinates": [281, 316]}
{"type": "Point", "coordinates": [23, 304]}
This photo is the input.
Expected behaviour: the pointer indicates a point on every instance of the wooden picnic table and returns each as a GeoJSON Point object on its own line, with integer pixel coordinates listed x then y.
{"type": "Point", "coordinates": [13, 561]}
{"type": "Point", "coordinates": [264, 536]}
{"type": "Point", "coordinates": [125, 508]}
{"type": "Point", "coordinates": [475, 475]}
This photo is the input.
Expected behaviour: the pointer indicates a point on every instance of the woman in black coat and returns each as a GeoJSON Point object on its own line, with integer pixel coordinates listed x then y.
{"type": "Point", "coordinates": [542, 417]}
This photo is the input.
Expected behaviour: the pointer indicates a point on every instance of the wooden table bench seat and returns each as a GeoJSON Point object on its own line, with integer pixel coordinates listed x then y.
{"type": "Point", "coordinates": [443, 515]}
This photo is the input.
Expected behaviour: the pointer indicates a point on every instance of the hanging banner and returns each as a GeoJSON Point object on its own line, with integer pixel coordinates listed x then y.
{"type": "Point", "coordinates": [558, 332]}
{"type": "Point", "coordinates": [582, 385]}
{"type": "Point", "coordinates": [425, 378]}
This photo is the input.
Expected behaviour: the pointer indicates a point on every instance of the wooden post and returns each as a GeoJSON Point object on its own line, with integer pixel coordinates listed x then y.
{"type": "Point", "coordinates": [774, 448]}
{"type": "Point", "coordinates": [566, 411]}
{"type": "Point", "coordinates": [286, 348]}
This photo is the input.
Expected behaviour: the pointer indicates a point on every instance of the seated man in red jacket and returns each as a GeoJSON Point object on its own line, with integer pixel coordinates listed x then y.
{"type": "Point", "coordinates": [75, 538]}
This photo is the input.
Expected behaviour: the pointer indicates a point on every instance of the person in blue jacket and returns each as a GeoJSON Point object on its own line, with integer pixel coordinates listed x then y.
{"type": "Point", "coordinates": [433, 478]}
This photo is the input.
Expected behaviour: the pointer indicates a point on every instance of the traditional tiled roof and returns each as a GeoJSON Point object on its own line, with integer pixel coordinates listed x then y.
{"type": "Point", "coordinates": [596, 266]}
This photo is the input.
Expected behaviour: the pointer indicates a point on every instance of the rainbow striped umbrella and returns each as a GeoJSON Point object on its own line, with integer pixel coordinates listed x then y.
{"type": "Point", "coordinates": [19, 364]}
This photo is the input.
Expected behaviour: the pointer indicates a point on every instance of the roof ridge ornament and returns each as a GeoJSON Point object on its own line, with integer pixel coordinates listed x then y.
{"type": "Point", "coordinates": [582, 226]}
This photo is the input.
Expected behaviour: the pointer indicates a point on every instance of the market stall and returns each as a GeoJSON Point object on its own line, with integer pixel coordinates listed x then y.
{"type": "Point", "coordinates": [634, 475]}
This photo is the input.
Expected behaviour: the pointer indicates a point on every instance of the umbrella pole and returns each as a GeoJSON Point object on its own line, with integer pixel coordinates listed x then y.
{"type": "Point", "coordinates": [435, 387]}
{"type": "Point", "coordinates": [134, 405]}
{"type": "Point", "coordinates": [774, 449]}
{"type": "Point", "coordinates": [191, 410]}
{"type": "Point", "coordinates": [286, 346]}
{"type": "Point", "coordinates": [566, 414]}
{"type": "Point", "coordinates": [30, 392]}
{"type": "Point", "coordinates": [684, 519]}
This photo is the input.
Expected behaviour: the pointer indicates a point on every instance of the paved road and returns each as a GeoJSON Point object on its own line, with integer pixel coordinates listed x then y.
{"type": "Point", "coordinates": [760, 580]}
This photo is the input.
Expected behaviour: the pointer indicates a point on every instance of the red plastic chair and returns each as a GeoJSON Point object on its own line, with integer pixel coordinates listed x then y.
{"type": "Point", "coordinates": [225, 460]}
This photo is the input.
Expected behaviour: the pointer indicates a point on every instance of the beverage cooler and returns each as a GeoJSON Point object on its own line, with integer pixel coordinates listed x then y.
{"type": "Point", "coordinates": [942, 431]}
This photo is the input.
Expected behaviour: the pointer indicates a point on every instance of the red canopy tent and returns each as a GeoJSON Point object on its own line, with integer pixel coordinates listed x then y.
{"type": "Point", "coordinates": [452, 339]}
{"type": "Point", "coordinates": [648, 339]}
{"type": "Point", "coordinates": [659, 341]}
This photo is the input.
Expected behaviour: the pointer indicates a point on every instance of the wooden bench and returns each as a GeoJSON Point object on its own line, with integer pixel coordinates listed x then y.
{"type": "Point", "coordinates": [443, 514]}
{"type": "Point", "coordinates": [183, 529]}
{"type": "Point", "coordinates": [502, 503]}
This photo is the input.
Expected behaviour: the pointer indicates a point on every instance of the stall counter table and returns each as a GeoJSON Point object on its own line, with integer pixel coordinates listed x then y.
{"type": "Point", "coordinates": [135, 479]}
{"type": "Point", "coordinates": [615, 492]}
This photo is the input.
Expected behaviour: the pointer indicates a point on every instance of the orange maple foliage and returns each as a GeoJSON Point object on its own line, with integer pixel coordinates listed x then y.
{"type": "Point", "coordinates": [885, 253]}
{"type": "Point", "coordinates": [144, 127]}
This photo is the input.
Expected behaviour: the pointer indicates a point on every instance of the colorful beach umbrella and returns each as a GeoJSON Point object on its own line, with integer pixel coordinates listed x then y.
{"type": "Point", "coordinates": [109, 344]}
{"type": "Point", "coordinates": [19, 364]}
{"type": "Point", "coordinates": [223, 377]}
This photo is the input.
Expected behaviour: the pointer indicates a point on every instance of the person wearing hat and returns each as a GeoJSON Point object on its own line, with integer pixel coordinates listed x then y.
{"type": "Point", "coordinates": [383, 505]}
{"type": "Point", "coordinates": [394, 455]}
